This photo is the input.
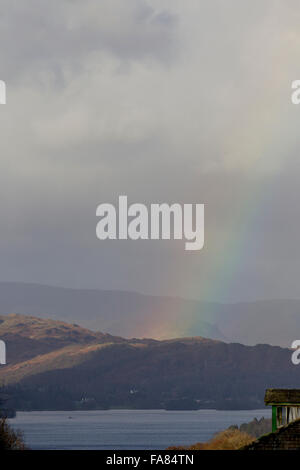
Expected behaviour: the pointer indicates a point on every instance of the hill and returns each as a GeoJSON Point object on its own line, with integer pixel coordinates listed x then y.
{"type": "Point", "coordinates": [130, 314]}
{"type": "Point", "coordinates": [53, 365]}
{"type": "Point", "coordinates": [27, 337]}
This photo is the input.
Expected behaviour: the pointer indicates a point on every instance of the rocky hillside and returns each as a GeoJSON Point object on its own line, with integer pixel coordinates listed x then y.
{"type": "Point", "coordinates": [54, 365]}
{"type": "Point", "coordinates": [27, 337]}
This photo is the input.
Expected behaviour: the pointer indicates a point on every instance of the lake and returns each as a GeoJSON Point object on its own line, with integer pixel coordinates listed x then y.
{"type": "Point", "coordinates": [125, 429]}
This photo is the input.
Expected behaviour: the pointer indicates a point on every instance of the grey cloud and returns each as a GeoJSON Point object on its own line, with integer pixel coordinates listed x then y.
{"type": "Point", "coordinates": [40, 35]}
{"type": "Point", "coordinates": [164, 101]}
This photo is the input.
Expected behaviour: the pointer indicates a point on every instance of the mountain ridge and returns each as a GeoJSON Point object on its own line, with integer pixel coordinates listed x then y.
{"type": "Point", "coordinates": [129, 314]}
{"type": "Point", "coordinates": [90, 370]}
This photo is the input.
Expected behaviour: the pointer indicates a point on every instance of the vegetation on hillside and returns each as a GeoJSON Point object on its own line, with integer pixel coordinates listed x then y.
{"type": "Point", "coordinates": [235, 436]}
{"type": "Point", "coordinates": [10, 439]}
{"type": "Point", "coordinates": [256, 427]}
{"type": "Point", "coordinates": [52, 365]}
{"type": "Point", "coordinates": [231, 439]}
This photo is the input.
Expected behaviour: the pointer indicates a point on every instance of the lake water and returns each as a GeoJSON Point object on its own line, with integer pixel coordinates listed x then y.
{"type": "Point", "coordinates": [125, 429]}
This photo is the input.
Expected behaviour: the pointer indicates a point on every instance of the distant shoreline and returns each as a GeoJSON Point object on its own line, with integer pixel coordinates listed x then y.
{"type": "Point", "coordinates": [141, 409]}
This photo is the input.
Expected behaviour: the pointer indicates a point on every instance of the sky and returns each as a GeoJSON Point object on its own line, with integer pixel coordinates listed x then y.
{"type": "Point", "coordinates": [162, 101]}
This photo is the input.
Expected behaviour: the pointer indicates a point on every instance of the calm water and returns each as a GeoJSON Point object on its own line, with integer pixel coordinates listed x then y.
{"type": "Point", "coordinates": [125, 429]}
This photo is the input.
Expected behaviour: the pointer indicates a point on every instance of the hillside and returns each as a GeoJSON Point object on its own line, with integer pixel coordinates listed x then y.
{"type": "Point", "coordinates": [124, 314]}
{"type": "Point", "coordinates": [130, 314]}
{"type": "Point", "coordinates": [27, 337]}
{"type": "Point", "coordinates": [53, 365]}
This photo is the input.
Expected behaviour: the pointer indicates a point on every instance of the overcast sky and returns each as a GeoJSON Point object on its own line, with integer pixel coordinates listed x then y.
{"type": "Point", "coordinates": [164, 101]}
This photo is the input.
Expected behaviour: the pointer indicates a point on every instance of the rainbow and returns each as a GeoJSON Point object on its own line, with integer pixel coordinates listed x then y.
{"type": "Point", "coordinates": [231, 254]}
